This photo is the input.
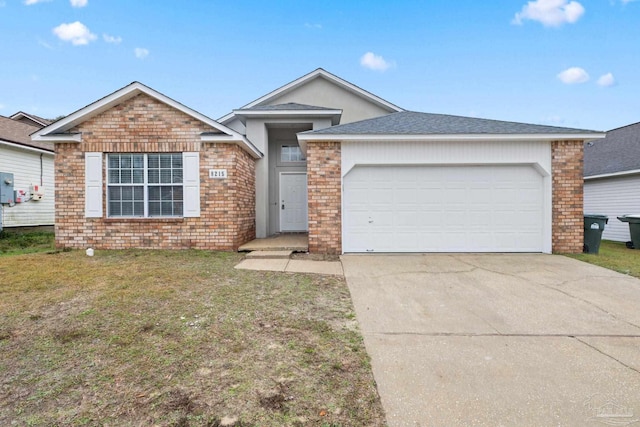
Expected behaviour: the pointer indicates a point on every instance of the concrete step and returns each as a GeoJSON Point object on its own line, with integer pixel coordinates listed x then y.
{"type": "Point", "coordinates": [269, 255]}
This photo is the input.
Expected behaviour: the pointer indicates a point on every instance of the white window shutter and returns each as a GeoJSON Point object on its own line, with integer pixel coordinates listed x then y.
{"type": "Point", "coordinates": [93, 185]}
{"type": "Point", "coordinates": [191, 177]}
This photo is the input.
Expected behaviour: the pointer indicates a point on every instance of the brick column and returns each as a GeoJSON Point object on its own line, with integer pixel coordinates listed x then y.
{"type": "Point", "coordinates": [567, 182]}
{"type": "Point", "coordinates": [325, 210]}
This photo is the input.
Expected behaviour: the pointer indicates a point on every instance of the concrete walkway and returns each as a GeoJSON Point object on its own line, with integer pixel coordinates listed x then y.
{"type": "Point", "coordinates": [499, 340]}
{"type": "Point", "coordinates": [292, 266]}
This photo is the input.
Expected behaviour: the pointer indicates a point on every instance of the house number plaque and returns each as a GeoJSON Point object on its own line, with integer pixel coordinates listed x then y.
{"type": "Point", "coordinates": [217, 173]}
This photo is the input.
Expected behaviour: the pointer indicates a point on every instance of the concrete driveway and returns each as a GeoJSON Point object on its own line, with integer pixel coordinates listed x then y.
{"type": "Point", "coordinates": [499, 340]}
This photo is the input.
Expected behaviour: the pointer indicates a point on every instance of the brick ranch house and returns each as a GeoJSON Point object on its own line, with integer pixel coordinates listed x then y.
{"type": "Point", "coordinates": [137, 169]}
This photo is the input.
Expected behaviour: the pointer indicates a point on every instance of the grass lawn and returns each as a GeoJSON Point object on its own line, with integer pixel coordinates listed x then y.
{"type": "Point", "coordinates": [614, 256]}
{"type": "Point", "coordinates": [177, 338]}
{"type": "Point", "coordinates": [14, 243]}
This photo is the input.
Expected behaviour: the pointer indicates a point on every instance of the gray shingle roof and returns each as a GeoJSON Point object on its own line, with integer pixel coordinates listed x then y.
{"type": "Point", "coordinates": [19, 133]}
{"type": "Point", "coordinates": [618, 152]}
{"type": "Point", "coordinates": [414, 123]}
{"type": "Point", "coordinates": [289, 106]}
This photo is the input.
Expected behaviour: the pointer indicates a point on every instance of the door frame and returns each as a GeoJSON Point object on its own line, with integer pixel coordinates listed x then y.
{"type": "Point", "coordinates": [280, 194]}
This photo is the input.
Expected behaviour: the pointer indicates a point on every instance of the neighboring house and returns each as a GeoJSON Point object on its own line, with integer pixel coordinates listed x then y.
{"type": "Point", "coordinates": [30, 119]}
{"type": "Point", "coordinates": [321, 155]}
{"type": "Point", "coordinates": [612, 179]}
{"type": "Point", "coordinates": [31, 164]}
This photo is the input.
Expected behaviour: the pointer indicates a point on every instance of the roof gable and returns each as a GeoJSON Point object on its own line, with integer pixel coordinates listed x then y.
{"type": "Point", "coordinates": [61, 130]}
{"type": "Point", "coordinates": [618, 152]}
{"type": "Point", "coordinates": [322, 89]}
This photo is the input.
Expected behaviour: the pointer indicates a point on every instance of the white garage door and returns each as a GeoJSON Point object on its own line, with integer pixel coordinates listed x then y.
{"type": "Point", "coordinates": [491, 208]}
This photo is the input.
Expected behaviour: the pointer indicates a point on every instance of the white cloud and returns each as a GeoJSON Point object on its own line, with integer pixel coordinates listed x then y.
{"type": "Point", "coordinates": [375, 62]}
{"type": "Point", "coordinates": [2, 107]}
{"type": "Point", "coordinates": [313, 26]}
{"type": "Point", "coordinates": [550, 13]}
{"type": "Point", "coordinates": [111, 39]}
{"type": "Point", "coordinates": [30, 2]}
{"type": "Point", "coordinates": [76, 33]}
{"type": "Point", "coordinates": [141, 53]}
{"type": "Point", "coordinates": [573, 75]}
{"type": "Point", "coordinates": [79, 3]}
{"type": "Point", "coordinates": [606, 80]}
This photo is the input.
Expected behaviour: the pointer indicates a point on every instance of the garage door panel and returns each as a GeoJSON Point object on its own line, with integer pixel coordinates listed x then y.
{"type": "Point", "coordinates": [443, 209]}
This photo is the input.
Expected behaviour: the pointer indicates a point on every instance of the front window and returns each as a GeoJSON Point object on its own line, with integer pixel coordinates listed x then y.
{"type": "Point", "coordinates": [291, 153]}
{"type": "Point", "coordinates": [145, 185]}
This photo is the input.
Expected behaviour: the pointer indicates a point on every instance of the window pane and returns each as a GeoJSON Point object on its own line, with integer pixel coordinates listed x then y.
{"type": "Point", "coordinates": [138, 176]}
{"type": "Point", "coordinates": [177, 176]}
{"type": "Point", "coordinates": [138, 193]}
{"type": "Point", "coordinates": [114, 209]}
{"type": "Point", "coordinates": [154, 208]}
{"type": "Point", "coordinates": [154, 193]}
{"type": "Point", "coordinates": [127, 208]}
{"type": "Point", "coordinates": [177, 208]}
{"type": "Point", "coordinates": [165, 161]}
{"type": "Point", "coordinates": [114, 193]}
{"type": "Point", "coordinates": [177, 161]}
{"type": "Point", "coordinates": [291, 153]}
{"type": "Point", "coordinates": [166, 208]}
{"type": "Point", "coordinates": [125, 176]}
{"type": "Point", "coordinates": [154, 176]}
{"type": "Point", "coordinates": [114, 161]}
{"type": "Point", "coordinates": [165, 176]}
{"type": "Point", "coordinates": [138, 161]}
{"type": "Point", "coordinates": [177, 193]}
{"type": "Point", "coordinates": [114, 177]}
{"type": "Point", "coordinates": [138, 208]}
{"type": "Point", "coordinates": [153, 161]}
{"type": "Point", "coordinates": [125, 161]}
{"type": "Point", "coordinates": [127, 193]}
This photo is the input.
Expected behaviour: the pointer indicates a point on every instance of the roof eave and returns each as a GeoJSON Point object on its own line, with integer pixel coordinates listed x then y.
{"type": "Point", "coordinates": [57, 137]}
{"type": "Point", "coordinates": [613, 174]}
{"type": "Point", "coordinates": [25, 146]}
{"type": "Point", "coordinates": [312, 136]}
{"type": "Point", "coordinates": [334, 115]}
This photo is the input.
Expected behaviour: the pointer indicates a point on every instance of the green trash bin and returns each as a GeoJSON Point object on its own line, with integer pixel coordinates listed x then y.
{"type": "Point", "coordinates": [634, 228]}
{"type": "Point", "coordinates": [593, 228]}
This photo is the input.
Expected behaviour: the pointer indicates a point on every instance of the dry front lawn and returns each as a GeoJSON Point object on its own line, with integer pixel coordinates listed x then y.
{"type": "Point", "coordinates": [141, 338]}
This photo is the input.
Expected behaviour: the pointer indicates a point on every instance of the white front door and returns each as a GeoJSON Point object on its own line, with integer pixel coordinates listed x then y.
{"type": "Point", "coordinates": [293, 201]}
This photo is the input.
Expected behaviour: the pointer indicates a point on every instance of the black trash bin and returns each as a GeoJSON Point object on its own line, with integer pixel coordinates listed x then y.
{"type": "Point", "coordinates": [634, 228]}
{"type": "Point", "coordinates": [593, 228]}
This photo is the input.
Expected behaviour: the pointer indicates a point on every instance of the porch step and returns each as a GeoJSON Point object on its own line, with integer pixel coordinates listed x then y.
{"type": "Point", "coordinates": [269, 255]}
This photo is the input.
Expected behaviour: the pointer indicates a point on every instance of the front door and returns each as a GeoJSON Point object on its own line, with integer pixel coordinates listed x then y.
{"type": "Point", "coordinates": [293, 201]}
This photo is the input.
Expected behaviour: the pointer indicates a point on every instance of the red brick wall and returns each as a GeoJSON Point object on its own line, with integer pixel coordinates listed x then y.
{"type": "Point", "coordinates": [325, 210]}
{"type": "Point", "coordinates": [144, 125]}
{"type": "Point", "coordinates": [567, 182]}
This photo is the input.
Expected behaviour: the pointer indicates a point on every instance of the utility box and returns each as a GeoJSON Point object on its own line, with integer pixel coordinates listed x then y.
{"type": "Point", "coordinates": [6, 188]}
{"type": "Point", "coordinates": [37, 192]}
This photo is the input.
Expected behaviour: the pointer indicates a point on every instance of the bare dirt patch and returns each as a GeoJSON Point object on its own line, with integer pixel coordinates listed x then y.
{"type": "Point", "coordinates": [133, 338]}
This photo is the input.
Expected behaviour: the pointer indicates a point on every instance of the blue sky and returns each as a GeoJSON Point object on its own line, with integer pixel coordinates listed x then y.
{"type": "Point", "coordinates": [573, 63]}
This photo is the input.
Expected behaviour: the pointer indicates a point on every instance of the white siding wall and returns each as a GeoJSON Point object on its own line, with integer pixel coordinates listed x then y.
{"type": "Point", "coordinates": [613, 197]}
{"type": "Point", "coordinates": [25, 167]}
